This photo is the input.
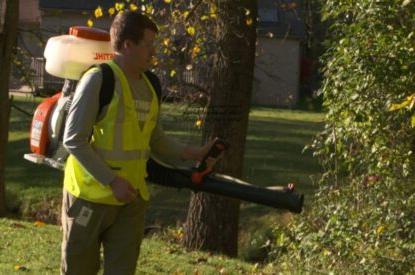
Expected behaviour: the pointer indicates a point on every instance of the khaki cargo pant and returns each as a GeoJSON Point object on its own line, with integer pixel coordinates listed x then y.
{"type": "Point", "coordinates": [87, 225]}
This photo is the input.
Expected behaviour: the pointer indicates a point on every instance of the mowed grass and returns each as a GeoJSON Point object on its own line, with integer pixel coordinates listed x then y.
{"type": "Point", "coordinates": [273, 156]}
{"type": "Point", "coordinates": [34, 248]}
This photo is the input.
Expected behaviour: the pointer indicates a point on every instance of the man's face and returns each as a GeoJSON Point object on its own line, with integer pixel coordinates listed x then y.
{"type": "Point", "coordinates": [140, 55]}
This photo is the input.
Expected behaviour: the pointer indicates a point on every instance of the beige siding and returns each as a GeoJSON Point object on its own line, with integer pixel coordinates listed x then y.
{"type": "Point", "coordinates": [29, 11]}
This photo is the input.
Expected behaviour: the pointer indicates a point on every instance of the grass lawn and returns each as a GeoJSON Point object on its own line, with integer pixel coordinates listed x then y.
{"type": "Point", "coordinates": [35, 249]}
{"type": "Point", "coordinates": [273, 156]}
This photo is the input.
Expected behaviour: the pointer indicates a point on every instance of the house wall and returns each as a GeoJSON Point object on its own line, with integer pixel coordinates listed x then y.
{"type": "Point", "coordinates": [29, 11]}
{"type": "Point", "coordinates": [276, 74]}
{"type": "Point", "coordinates": [277, 69]}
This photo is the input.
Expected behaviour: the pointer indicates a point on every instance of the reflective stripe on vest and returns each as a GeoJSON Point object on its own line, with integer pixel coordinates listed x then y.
{"type": "Point", "coordinates": [120, 141]}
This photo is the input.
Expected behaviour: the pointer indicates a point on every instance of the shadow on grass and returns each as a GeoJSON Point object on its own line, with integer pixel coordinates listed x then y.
{"type": "Point", "coordinates": [26, 174]}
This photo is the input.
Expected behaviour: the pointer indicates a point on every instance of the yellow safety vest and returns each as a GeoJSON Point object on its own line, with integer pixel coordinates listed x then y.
{"type": "Point", "coordinates": [118, 139]}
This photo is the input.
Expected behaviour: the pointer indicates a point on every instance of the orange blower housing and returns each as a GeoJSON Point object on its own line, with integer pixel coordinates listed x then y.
{"type": "Point", "coordinates": [39, 132]}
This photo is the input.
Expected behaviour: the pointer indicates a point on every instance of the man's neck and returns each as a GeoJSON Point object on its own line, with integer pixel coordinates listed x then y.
{"type": "Point", "coordinates": [128, 70]}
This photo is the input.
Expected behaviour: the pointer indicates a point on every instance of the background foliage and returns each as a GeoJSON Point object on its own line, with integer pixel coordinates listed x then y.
{"type": "Point", "coordinates": [361, 219]}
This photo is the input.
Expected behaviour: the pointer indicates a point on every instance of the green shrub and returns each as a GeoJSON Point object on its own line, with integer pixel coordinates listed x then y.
{"type": "Point", "coordinates": [361, 219]}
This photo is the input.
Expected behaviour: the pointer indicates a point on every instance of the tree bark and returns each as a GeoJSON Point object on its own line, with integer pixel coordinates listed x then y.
{"type": "Point", "coordinates": [7, 42]}
{"type": "Point", "coordinates": [212, 221]}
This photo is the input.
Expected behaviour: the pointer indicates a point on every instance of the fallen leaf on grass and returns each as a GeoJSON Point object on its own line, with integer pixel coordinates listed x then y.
{"type": "Point", "coordinates": [39, 224]}
{"type": "Point", "coordinates": [20, 268]}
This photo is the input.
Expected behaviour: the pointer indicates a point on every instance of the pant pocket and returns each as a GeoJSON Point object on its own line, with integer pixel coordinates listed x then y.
{"type": "Point", "coordinates": [81, 221]}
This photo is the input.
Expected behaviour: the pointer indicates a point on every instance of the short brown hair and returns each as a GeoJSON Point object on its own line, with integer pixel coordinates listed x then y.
{"type": "Point", "coordinates": [129, 25]}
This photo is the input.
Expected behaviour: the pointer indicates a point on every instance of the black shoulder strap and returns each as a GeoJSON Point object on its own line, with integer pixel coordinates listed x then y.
{"type": "Point", "coordinates": [107, 86]}
{"type": "Point", "coordinates": [108, 83]}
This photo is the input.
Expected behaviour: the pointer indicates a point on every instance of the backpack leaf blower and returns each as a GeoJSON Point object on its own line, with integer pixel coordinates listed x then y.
{"type": "Point", "coordinates": [68, 56]}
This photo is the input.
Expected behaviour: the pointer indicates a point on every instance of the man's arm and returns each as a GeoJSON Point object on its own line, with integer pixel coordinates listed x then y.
{"type": "Point", "coordinates": [78, 129]}
{"type": "Point", "coordinates": [81, 118]}
{"type": "Point", "coordinates": [163, 145]}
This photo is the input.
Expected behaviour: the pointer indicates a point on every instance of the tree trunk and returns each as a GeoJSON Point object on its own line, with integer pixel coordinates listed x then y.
{"type": "Point", "coordinates": [7, 41]}
{"type": "Point", "coordinates": [212, 221]}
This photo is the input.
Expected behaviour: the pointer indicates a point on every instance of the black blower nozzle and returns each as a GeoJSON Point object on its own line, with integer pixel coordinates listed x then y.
{"type": "Point", "coordinates": [166, 175]}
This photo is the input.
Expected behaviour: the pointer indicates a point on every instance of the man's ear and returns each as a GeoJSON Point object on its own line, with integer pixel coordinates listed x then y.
{"type": "Point", "coordinates": [127, 44]}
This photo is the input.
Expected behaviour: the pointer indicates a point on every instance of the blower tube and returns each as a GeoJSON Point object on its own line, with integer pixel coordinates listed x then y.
{"type": "Point", "coordinates": [166, 175]}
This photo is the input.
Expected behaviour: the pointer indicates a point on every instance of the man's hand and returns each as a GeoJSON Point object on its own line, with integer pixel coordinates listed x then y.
{"type": "Point", "coordinates": [123, 190]}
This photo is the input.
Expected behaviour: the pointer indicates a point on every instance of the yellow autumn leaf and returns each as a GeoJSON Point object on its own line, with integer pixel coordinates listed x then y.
{"type": "Point", "coordinates": [111, 11]}
{"type": "Point", "coordinates": [195, 51]}
{"type": "Point", "coordinates": [204, 17]}
{"type": "Point", "coordinates": [398, 106]}
{"type": "Point", "coordinates": [172, 73]}
{"type": "Point", "coordinates": [39, 224]}
{"type": "Point", "coordinates": [413, 121]}
{"type": "Point", "coordinates": [133, 7]}
{"type": "Point", "coordinates": [98, 12]}
{"type": "Point", "coordinates": [407, 102]}
{"type": "Point", "coordinates": [149, 9]}
{"type": "Point", "coordinates": [167, 1]}
{"type": "Point", "coordinates": [249, 21]}
{"type": "Point", "coordinates": [166, 41]}
{"type": "Point", "coordinates": [185, 14]}
{"type": "Point", "coordinates": [20, 267]}
{"type": "Point", "coordinates": [199, 123]}
{"type": "Point", "coordinates": [380, 229]}
{"type": "Point", "coordinates": [90, 23]}
{"type": "Point", "coordinates": [213, 9]}
{"type": "Point", "coordinates": [191, 31]}
{"type": "Point", "coordinates": [119, 6]}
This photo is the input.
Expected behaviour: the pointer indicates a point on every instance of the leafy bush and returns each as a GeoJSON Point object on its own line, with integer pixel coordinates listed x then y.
{"type": "Point", "coordinates": [361, 219]}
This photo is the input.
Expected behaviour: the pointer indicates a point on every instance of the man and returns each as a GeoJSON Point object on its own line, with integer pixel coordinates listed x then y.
{"type": "Point", "coordinates": [105, 194]}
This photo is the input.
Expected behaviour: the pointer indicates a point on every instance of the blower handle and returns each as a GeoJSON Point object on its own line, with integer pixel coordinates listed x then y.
{"type": "Point", "coordinates": [205, 167]}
